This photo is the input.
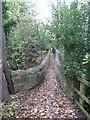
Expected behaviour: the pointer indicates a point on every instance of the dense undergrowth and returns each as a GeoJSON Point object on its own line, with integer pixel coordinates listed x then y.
{"type": "Point", "coordinates": [28, 40]}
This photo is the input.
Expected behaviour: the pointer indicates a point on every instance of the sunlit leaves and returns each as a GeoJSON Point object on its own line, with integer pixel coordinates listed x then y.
{"type": "Point", "coordinates": [86, 59]}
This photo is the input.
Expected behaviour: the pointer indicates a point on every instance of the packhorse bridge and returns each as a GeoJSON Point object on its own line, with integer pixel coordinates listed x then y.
{"type": "Point", "coordinates": [45, 93]}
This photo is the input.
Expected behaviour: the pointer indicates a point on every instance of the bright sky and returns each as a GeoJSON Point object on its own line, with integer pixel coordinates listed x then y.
{"type": "Point", "coordinates": [43, 7]}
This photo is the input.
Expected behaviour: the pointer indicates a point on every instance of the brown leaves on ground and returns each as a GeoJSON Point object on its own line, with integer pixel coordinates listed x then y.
{"type": "Point", "coordinates": [45, 101]}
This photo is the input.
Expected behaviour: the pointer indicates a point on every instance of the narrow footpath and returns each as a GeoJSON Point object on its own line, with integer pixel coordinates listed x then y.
{"type": "Point", "coordinates": [48, 99]}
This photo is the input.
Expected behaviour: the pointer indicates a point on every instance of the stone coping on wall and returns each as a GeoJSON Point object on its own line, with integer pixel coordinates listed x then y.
{"type": "Point", "coordinates": [27, 79]}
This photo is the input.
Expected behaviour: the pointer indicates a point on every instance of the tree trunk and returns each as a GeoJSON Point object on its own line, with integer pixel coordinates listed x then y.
{"type": "Point", "coordinates": [0, 56]}
{"type": "Point", "coordinates": [6, 81]}
{"type": "Point", "coordinates": [8, 76]}
{"type": "Point", "coordinates": [4, 94]}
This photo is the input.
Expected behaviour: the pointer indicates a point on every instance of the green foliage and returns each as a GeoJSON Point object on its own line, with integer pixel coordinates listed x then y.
{"type": "Point", "coordinates": [69, 25]}
{"type": "Point", "coordinates": [47, 37]}
{"type": "Point", "coordinates": [67, 31]}
{"type": "Point", "coordinates": [86, 59]}
{"type": "Point", "coordinates": [20, 28]}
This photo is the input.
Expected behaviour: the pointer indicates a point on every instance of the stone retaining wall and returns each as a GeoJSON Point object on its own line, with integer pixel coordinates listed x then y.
{"type": "Point", "coordinates": [30, 78]}
{"type": "Point", "coordinates": [66, 85]}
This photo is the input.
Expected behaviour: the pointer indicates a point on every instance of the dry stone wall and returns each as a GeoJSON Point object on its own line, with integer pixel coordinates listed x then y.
{"type": "Point", "coordinates": [66, 85]}
{"type": "Point", "coordinates": [58, 66]}
{"type": "Point", "coordinates": [30, 78]}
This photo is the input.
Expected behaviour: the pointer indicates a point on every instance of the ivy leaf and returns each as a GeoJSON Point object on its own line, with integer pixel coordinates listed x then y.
{"type": "Point", "coordinates": [86, 62]}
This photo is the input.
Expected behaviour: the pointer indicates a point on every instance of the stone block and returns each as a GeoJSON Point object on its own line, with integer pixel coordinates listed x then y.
{"type": "Point", "coordinates": [28, 79]}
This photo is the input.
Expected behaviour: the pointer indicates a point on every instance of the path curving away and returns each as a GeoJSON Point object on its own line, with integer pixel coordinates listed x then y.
{"type": "Point", "coordinates": [48, 99]}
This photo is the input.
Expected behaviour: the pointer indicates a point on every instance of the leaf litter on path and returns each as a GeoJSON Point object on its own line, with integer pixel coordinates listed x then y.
{"type": "Point", "coordinates": [45, 101]}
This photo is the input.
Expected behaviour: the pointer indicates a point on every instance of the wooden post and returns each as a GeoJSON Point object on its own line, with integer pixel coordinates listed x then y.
{"type": "Point", "coordinates": [82, 91]}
